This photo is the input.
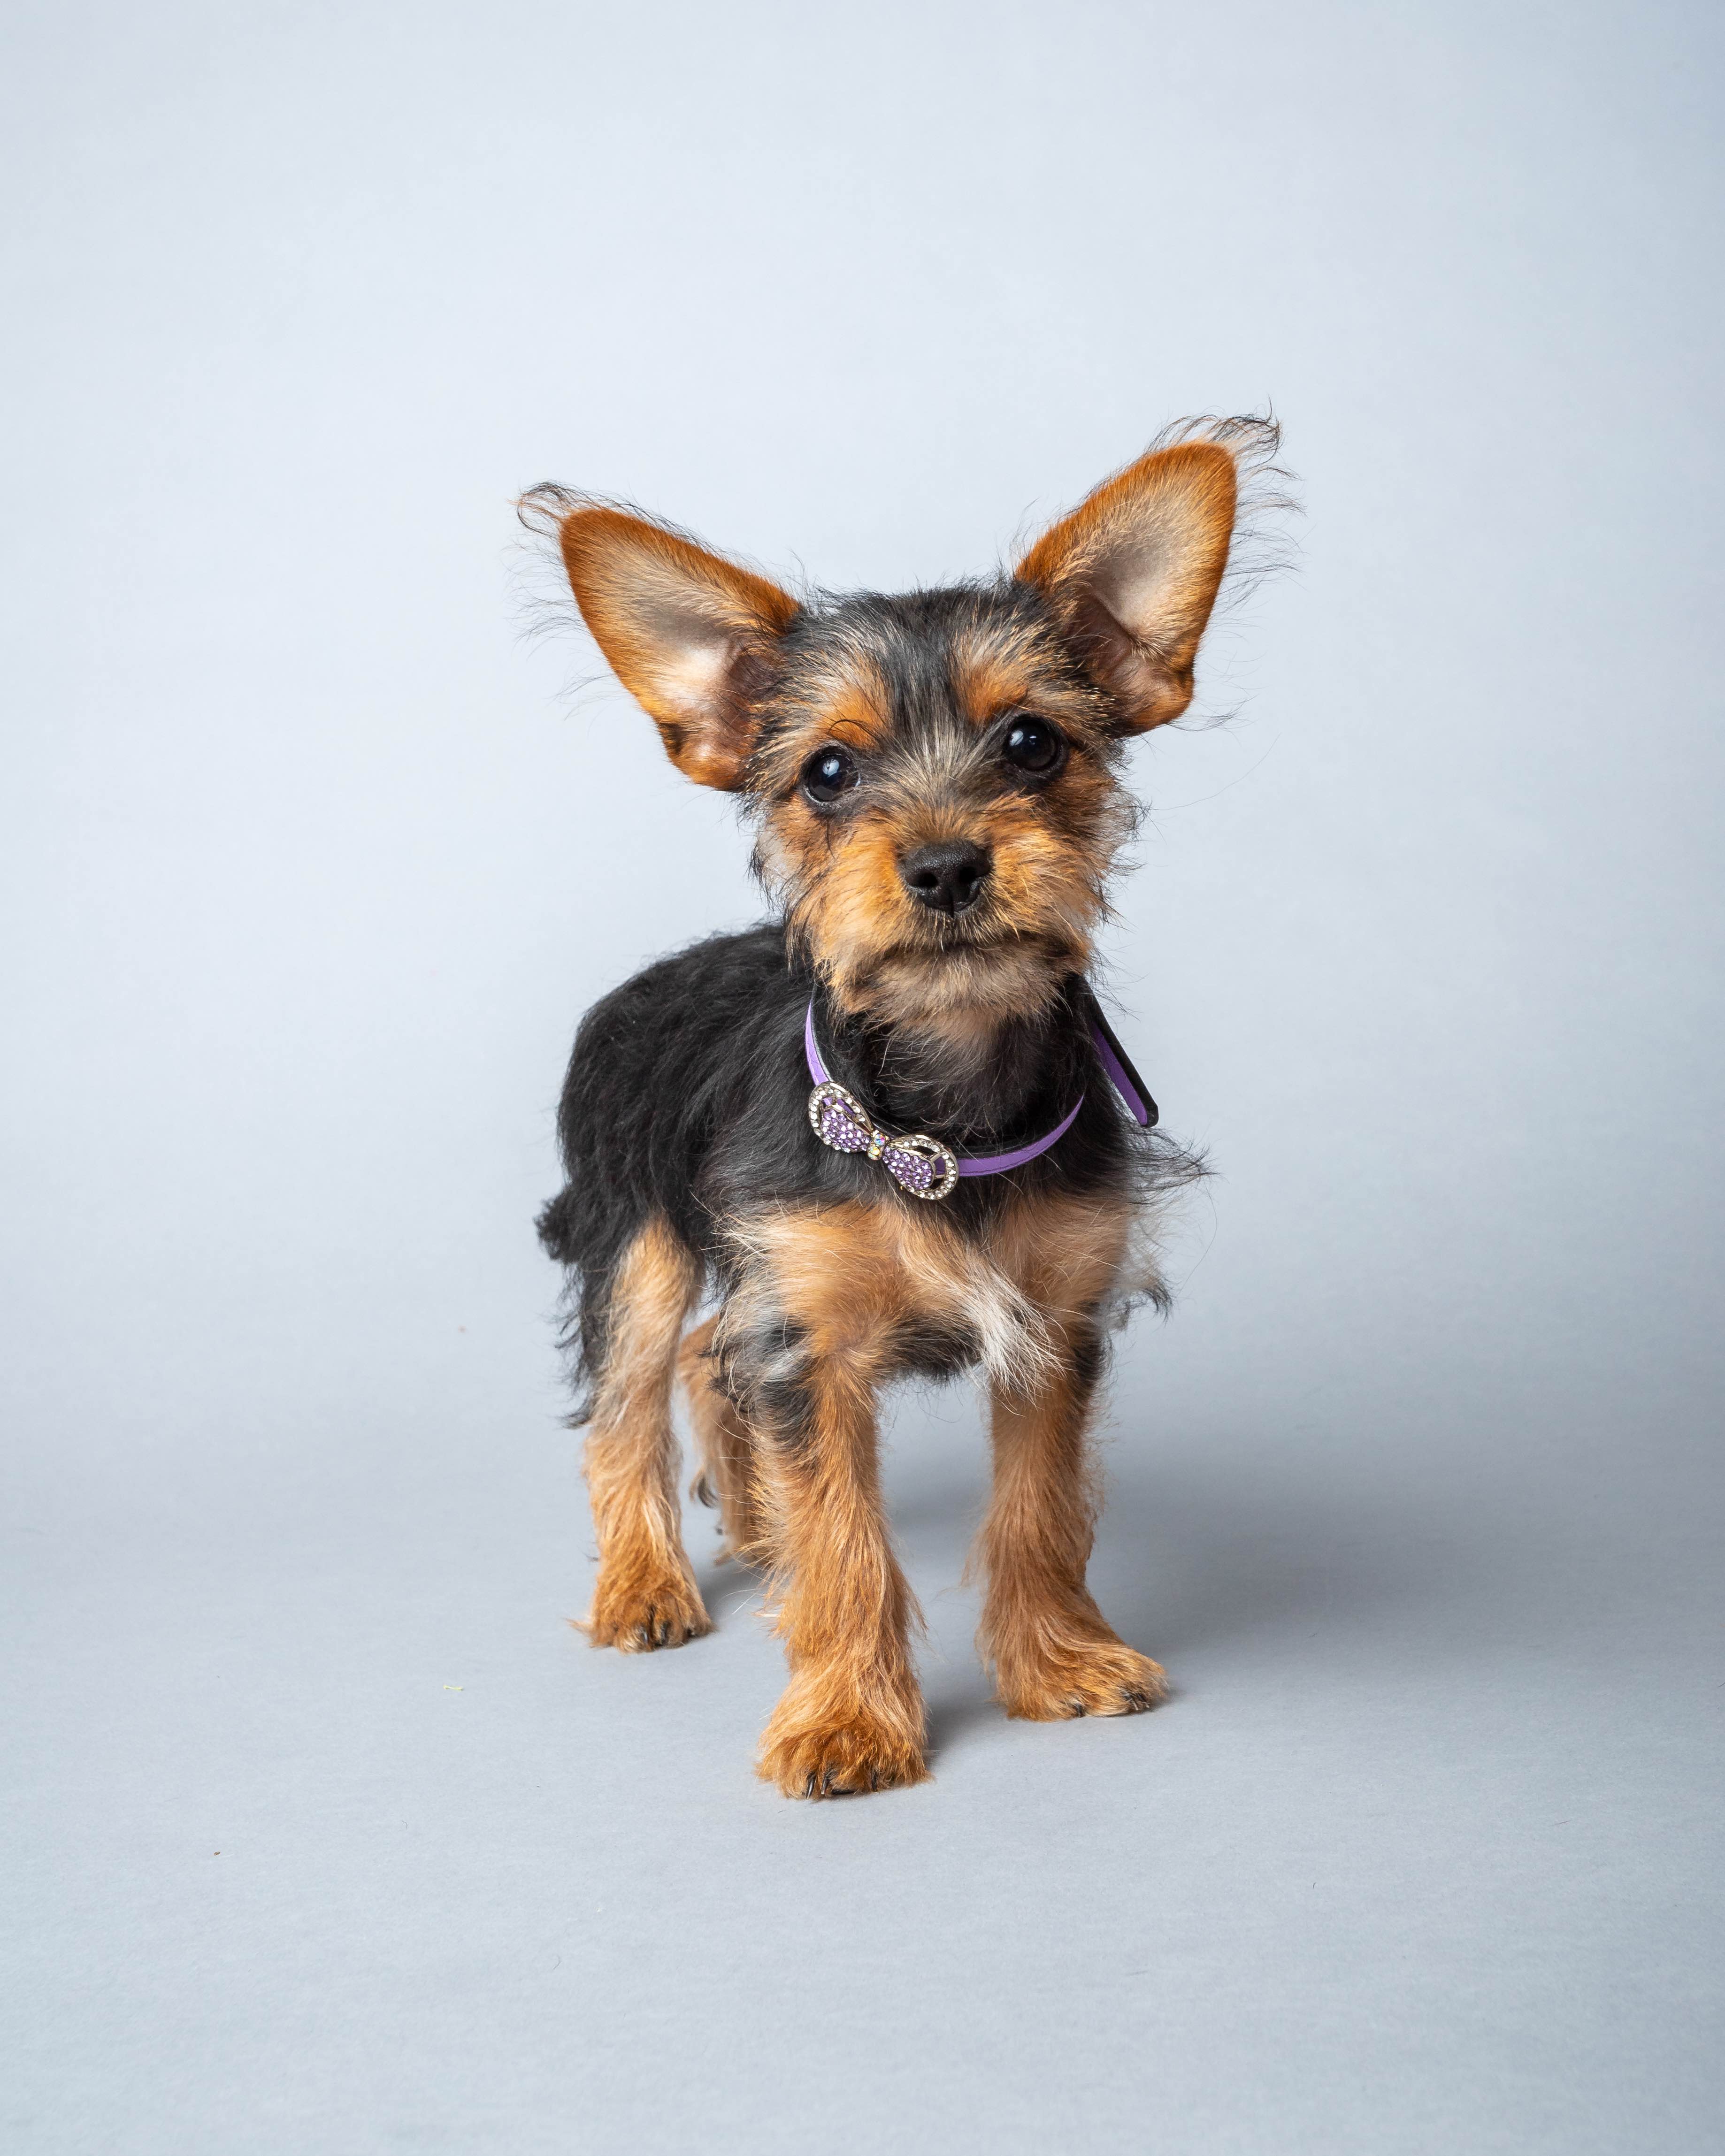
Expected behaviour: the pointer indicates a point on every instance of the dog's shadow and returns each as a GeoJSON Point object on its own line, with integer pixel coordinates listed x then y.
{"type": "Point", "coordinates": [1195, 1557]}
{"type": "Point", "coordinates": [1191, 1558]}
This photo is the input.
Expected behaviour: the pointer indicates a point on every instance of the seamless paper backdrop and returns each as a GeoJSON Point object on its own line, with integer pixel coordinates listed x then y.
{"type": "Point", "coordinates": [312, 857]}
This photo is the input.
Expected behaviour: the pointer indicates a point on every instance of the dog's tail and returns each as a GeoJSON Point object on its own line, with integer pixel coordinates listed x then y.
{"type": "Point", "coordinates": [557, 1228]}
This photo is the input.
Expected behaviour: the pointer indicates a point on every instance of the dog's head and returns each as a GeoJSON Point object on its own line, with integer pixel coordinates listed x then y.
{"type": "Point", "coordinates": [937, 776]}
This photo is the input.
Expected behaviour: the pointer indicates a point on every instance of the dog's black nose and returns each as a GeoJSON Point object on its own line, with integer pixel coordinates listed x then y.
{"type": "Point", "coordinates": [948, 876]}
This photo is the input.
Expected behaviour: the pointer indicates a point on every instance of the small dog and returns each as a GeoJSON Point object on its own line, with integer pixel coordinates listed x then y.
{"type": "Point", "coordinates": [889, 1132]}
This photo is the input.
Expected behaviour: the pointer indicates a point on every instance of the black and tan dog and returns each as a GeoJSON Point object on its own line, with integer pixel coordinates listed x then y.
{"type": "Point", "coordinates": [879, 1131]}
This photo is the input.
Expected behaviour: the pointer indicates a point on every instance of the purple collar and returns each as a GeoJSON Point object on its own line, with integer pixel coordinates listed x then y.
{"type": "Point", "coordinates": [924, 1166]}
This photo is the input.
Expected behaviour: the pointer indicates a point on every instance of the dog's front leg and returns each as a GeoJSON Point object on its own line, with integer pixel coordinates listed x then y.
{"type": "Point", "coordinates": [1053, 1653]}
{"type": "Point", "coordinates": [851, 1718]}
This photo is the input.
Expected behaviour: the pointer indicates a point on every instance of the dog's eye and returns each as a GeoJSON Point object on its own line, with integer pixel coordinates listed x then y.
{"type": "Point", "coordinates": [1032, 745]}
{"type": "Point", "coordinates": [828, 773]}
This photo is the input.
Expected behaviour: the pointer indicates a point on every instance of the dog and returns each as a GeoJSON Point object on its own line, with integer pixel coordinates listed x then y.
{"type": "Point", "coordinates": [888, 1133]}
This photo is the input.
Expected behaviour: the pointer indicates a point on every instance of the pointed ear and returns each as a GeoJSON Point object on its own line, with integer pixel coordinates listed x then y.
{"type": "Point", "coordinates": [693, 638]}
{"type": "Point", "coordinates": [1132, 574]}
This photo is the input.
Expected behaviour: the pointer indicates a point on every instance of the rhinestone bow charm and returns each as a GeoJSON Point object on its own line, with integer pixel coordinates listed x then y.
{"type": "Point", "coordinates": [921, 1165]}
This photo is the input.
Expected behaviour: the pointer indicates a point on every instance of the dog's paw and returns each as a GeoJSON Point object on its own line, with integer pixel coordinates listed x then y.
{"type": "Point", "coordinates": [840, 1757]}
{"type": "Point", "coordinates": [641, 1614]}
{"type": "Point", "coordinates": [1089, 1676]}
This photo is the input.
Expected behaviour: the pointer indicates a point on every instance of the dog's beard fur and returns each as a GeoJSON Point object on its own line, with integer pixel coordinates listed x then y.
{"type": "Point", "coordinates": [884, 958]}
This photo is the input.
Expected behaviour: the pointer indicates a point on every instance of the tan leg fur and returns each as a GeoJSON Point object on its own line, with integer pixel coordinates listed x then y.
{"type": "Point", "coordinates": [830, 1280]}
{"type": "Point", "coordinates": [727, 1474]}
{"type": "Point", "coordinates": [1053, 1654]}
{"type": "Point", "coordinates": [646, 1596]}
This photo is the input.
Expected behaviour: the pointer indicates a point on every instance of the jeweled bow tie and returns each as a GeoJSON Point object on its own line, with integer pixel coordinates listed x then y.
{"type": "Point", "coordinates": [921, 1165]}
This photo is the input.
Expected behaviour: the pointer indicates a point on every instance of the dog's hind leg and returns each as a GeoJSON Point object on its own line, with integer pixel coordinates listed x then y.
{"type": "Point", "coordinates": [726, 1477]}
{"type": "Point", "coordinates": [646, 1596]}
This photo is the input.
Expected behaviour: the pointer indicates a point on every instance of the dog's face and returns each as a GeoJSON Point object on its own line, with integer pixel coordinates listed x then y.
{"type": "Point", "coordinates": [936, 776]}
{"type": "Point", "coordinates": [940, 809]}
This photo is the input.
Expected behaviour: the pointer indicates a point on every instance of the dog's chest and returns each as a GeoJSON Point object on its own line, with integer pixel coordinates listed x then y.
{"type": "Point", "coordinates": [905, 1287]}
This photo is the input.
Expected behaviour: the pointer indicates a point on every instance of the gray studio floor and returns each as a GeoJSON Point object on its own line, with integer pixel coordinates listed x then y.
{"type": "Point", "coordinates": [341, 1839]}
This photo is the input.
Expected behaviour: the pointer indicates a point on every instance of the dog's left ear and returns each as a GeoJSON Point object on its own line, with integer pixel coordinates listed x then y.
{"type": "Point", "coordinates": [692, 636]}
{"type": "Point", "coordinates": [1132, 574]}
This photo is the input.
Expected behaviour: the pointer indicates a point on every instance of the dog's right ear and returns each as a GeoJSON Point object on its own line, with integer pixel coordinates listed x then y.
{"type": "Point", "coordinates": [692, 636]}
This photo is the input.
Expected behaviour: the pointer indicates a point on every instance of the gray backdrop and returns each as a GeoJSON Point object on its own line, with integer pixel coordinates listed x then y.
{"type": "Point", "coordinates": [328, 1834]}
